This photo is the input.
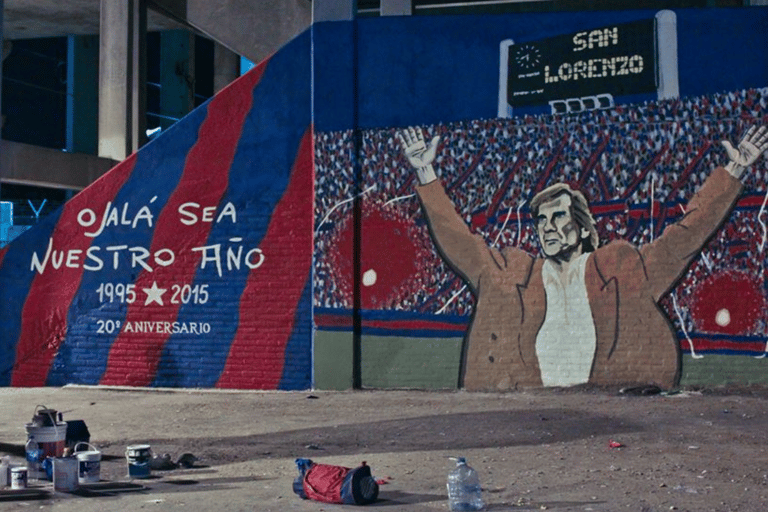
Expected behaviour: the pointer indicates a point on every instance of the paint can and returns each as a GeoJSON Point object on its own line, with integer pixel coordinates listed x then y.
{"type": "Point", "coordinates": [139, 456]}
{"type": "Point", "coordinates": [18, 477]}
{"type": "Point", "coordinates": [65, 474]}
{"type": "Point", "coordinates": [88, 464]}
{"type": "Point", "coordinates": [45, 417]}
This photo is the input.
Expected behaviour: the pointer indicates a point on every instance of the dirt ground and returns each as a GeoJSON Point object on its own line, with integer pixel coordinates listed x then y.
{"type": "Point", "coordinates": [696, 450]}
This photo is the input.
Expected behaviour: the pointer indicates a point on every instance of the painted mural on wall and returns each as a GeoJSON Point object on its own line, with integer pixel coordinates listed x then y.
{"type": "Point", "coordinates": [475, 241]}
{"type": "Point", "coordinates": [188, 264]}
{"type": "Point", "coordinates": [582, 313]}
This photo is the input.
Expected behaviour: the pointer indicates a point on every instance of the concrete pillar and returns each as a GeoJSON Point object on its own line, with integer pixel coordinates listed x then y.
{"type": "Point", "coordinates": [396, 7]}
{"type": "Point", "coordinates": [177, 75]}
{"type": "Point", "coordinates": [333, 10]}
{"type": "Point", "coordinates": [122, 77]}
{"type": "Point", "coordinates": [82, 94]}
{"type": "Point", "coordinates": [226, 67]}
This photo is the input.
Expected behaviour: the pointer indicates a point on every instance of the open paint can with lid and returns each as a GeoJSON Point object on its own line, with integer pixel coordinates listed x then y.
{"type": "Point", "coordinates": [138, 456]}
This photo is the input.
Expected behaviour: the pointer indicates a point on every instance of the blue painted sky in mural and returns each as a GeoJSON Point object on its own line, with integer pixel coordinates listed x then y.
{"type": "Point", "coordinates": [401, 59]}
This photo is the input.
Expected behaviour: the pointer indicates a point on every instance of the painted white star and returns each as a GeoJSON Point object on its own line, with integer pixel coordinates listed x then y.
{"type": "Point", "coordinates": [154, 294]}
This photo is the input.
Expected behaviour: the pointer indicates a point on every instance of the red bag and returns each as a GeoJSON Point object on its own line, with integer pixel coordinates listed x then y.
{"type": "Point", "coordinates": [335, 484]}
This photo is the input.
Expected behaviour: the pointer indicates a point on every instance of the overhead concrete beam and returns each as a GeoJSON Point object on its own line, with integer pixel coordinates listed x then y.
{"type": "Point", "coordinates": [45, 167]}
{"type": "Point", "coordinates": [31, 19]}
{"type": "Point", "coordinates": [253, 29]}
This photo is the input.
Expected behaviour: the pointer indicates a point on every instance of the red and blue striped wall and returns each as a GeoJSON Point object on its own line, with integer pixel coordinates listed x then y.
{"type": "Point", "coordinates": [200, 274]}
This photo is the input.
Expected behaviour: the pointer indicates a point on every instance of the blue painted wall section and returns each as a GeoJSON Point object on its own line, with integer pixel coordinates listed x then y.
{"type": "Point", "coordinates": [439, 69]}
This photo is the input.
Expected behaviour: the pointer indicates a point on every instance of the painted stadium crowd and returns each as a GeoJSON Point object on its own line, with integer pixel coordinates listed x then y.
{"type": "Point", "coordinates": [619, 158]}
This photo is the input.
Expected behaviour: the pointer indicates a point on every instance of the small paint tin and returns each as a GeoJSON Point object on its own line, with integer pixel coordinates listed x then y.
{"type": "Point", "coordinates": [19, 477]}
{"type": "Point", "coordinates": [139, 453]}
{"type": "Point", "coordinates": [139, 457]}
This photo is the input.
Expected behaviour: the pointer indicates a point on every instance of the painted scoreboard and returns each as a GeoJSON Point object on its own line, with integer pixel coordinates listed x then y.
{"type": "Point", "coordinates": [585, 70]}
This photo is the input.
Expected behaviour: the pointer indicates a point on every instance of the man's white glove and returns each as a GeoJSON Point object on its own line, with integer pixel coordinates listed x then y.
{"type": "Point", "coordinates": [419, 153]}
{"type": "Point", "coordinates": [754, 144]}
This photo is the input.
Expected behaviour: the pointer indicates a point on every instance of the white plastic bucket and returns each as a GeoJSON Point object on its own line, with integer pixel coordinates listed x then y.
{"type": "Point", "coordinates": [49, 439]}
{"type": "Point", "coordinates": [139, 457]}
{"type": "Point", "coordinates": [64, 474]}
{"type": "Point", "coordinates": [88, 464]}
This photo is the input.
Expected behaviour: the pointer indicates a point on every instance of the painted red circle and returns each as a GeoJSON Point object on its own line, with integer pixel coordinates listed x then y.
{"type": "Point", "coordinates": [733, 292]}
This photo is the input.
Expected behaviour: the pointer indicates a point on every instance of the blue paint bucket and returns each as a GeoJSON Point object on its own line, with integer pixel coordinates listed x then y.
{"type": "Point", "coordinates": [138, 457]}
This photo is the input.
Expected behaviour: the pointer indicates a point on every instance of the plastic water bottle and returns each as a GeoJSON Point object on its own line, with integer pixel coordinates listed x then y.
{"type": "Point", "coordinates": [464, 492]}
{"type": "Point", "coordinates": [34, 454]}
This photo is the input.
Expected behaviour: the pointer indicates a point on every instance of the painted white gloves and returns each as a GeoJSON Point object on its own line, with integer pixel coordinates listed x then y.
{"type": "Point", "coordinates": [752, 145]}
{"type": "Point", "coordinates": [419, 153]}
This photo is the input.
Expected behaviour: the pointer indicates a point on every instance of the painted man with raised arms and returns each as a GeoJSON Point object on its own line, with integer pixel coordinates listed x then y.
{"type": "Point", "coordinates": [581, 313]}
